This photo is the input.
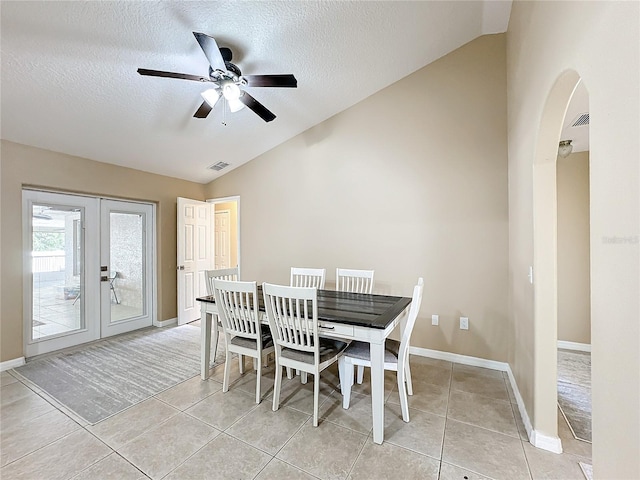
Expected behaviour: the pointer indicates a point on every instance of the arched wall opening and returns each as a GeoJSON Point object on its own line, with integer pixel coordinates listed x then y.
{"type": "Point", "coordinates": [545, 263]}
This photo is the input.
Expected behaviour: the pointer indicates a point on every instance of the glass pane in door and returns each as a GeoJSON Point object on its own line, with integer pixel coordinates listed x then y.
{"type": "Point", "coordinates": [127, 257]}
{"type": "Point", "coordinates": [58, 270]}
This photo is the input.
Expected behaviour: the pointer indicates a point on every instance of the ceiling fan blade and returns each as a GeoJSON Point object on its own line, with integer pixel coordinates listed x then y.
{"type": "Point", "coordinates": [257, 107]}
{"type": "Point", "coordinates": [271, 81]}
{"type": "Point", "coordinates": [203, 111]}
{"type": "Point", "coordinates": [182, 76]}
{"type": "Point", "coordinates": [211, 51]}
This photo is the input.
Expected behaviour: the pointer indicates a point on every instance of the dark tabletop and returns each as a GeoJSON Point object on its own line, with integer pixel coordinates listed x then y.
{"type": "Point", "coordinates": [374, 311]}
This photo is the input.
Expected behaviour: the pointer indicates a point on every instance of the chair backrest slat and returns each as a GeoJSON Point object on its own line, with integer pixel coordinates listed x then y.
{"type": "Point", "coordinates": [293, 316]}
{"type": "Point", "coordinates": [356, 281]}
{"type": "Point", "coordinates": [307, 277]}
{"type": "Point", "coordinates": [238, 307]}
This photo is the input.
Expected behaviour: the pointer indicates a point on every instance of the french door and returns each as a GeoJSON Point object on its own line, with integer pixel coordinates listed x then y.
{"type": "Point", "coordinates": [88, 269]}
{"type": "Point", "coordinates": [126, 266]}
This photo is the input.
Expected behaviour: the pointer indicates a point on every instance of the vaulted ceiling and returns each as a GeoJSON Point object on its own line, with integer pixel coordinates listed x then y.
{"type": "Point", "coordinates": [70, 82]}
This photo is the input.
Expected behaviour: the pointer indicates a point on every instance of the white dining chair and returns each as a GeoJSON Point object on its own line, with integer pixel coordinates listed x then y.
{"type": "Point", "coordinates": [307, 277]}
{"type": "Point", "coordinates": [396, 358]}
{"type": "Point", "coordinates": [355, 281]}
{"type": "Point", "coordinates": [293, 318]}
{"type": "Point", "coordinates": [239, 312]}
{"type": "Point", "coordinates": [222, 274]}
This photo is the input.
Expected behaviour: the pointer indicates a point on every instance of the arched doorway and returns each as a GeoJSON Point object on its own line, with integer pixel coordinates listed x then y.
{"type": "Point", "coordinates": [545, 253]}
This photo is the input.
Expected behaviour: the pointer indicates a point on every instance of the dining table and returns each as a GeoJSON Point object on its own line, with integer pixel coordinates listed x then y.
{"type": "Point", "coordinates": [352, 316]}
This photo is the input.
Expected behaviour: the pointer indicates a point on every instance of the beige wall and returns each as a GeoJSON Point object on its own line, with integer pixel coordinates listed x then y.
{"type": "Point", "coordinates": [574, 280]}
{"type": "Point", "coordinates": [410, 182]}
{"type": "Point", "coordinates": [600, 41]}
{"type": "Point", "coordinates": [21, 165]}
{"type": "Point", "coordinates": [233, 230]}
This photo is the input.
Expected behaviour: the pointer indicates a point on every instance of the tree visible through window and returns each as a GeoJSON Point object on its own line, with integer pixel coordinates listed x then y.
{"type": "Point", "coordinates": [48, 241]}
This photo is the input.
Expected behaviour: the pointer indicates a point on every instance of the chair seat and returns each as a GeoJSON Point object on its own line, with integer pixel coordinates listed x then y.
{"type": "Point", "coordinates": [267, 341]}
{"type": "Point", "coordinates": [328, 348]}
{"type": "Point", "coordinates": [361, 351]}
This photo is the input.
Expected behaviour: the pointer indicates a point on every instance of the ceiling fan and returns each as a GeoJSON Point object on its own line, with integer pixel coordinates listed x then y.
{"type": "Point", "coordinates": [228, 80]}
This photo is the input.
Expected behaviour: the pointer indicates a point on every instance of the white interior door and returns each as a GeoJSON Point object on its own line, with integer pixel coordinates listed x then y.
{"type": "Point", "coordinates": [222, 239]}
{"type": "Point", "coordinates": [194, 255]}
{"type": "Point", "coordinates": [126, 266]}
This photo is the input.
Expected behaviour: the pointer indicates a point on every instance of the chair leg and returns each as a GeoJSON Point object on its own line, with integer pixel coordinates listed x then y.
{"type": "Point", "coordinates": [347, 383]}
{"type": "Point", "coordinates": [402, 390]}
{"type": "Point", "coordinates": [341, 374]}
{"type": "Point", "coordinates": [360, 374]}
{"type": "Point", "coordinates": [215, 331]}
{"type": "Point", "coordinates": [407, 372]}
{"type": "Point", "coordinates": [316, 396]}
{"type": "Point", "coordinates": [276, 386]}
{"type": "Point", "coordinates": [241, 363]}
{"type": "Point", "coordinates": [303, 377]}
{"type": "Point", "coordinates": [227, 371]}
{"type": "Point", "coordinates": [258, 362]}
{"type": "Point", "coordinates": [289, 373]}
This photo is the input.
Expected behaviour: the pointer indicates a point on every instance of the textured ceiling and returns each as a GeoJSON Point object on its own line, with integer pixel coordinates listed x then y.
{"type": "Point", "coordinates": [69, 81]}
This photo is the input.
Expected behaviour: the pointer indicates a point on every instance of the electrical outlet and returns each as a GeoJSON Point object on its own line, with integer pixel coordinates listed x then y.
{"type": "Point", "coordinates": [464, 323]}
{"type": "Point", "coordinates": [435, 320]}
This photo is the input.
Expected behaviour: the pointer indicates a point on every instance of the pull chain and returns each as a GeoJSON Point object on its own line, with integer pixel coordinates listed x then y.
{"type": "Point", "coordinates": [224, 112]}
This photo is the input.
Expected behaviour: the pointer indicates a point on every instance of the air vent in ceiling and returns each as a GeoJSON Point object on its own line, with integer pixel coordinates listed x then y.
{"type": "Point", "coordinates": [218, 166]}
{"type": "Point", "coordinates": [582, 119]}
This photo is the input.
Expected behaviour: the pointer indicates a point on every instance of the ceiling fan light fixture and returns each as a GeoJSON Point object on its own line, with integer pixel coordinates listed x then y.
{"type": "Point", "coordinates": [211, 96]}
{"type": "Point", "coordinates": [565, 148]}
{"type": "Point", "coordinates": [231, 91]}
{"type": "Point", "coordinates": [235, 105]}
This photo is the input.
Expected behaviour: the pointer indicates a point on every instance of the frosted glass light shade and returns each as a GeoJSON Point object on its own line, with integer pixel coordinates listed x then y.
{"type": "Point", "coordinates": [565, 148]}
{"type": "Point", "coordinates": [235, 105]}
{"type": "Point", "coordinates": [231, 91]}
{"type": "Point", "coordinates": [211, 96]}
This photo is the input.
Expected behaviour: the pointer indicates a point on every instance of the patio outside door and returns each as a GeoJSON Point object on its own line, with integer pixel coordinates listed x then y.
{"type": "Point", "coordinates": [71, 242]}
{"type": "Point", "coordinates": [125, 266]}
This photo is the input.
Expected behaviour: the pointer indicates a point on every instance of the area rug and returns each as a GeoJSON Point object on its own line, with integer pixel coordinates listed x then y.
{"type": "Point", "coordinates": [574, 392]}
{"type": "Point", "coordinates": [587, 470]}
{"type": "Point", "coordinates": [103, 378]}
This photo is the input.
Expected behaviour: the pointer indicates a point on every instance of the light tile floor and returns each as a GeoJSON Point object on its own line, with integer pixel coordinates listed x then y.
{"type": "Point", "coordinates": [464, 425]}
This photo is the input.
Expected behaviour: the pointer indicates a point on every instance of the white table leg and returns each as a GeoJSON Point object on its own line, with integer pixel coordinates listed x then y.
{"type": "Point", "coordinates": [377, 390]}
{"type": "Point", "coordinates": [205, 341]}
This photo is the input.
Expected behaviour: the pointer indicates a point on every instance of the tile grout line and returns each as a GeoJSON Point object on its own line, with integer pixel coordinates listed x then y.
{"type": "Point", "coordinates": [446, 419]}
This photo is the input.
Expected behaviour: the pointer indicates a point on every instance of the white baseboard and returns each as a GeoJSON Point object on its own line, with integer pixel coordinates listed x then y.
{"type": "Point", "coordinates": [166, 323]}
{"type": "Point", "coordinates": [520, 402]}
{"type": "Point", "coordinates": [551, 444]}
{"type": "Point", "coordinates": [9, 364]}
{"type": "Point", "coordinates": [579, 347]}
{"type": "Point", "coordinates": [545, 442]}
{"type": "Point", "coordinates": [457, 358]}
